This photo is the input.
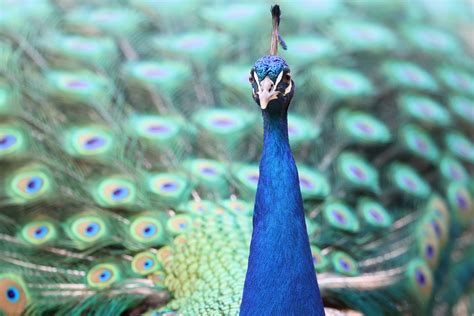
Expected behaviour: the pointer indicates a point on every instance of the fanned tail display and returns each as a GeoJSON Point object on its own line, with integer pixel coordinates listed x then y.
{"type": "Point", "coordinates": [129, 149]}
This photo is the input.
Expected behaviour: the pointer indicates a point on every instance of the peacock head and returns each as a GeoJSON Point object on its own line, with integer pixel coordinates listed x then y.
{"type": "Point", "coordinates": [272, 86]}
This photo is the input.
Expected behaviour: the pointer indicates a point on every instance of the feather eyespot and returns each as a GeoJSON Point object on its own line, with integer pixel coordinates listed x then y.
{"type": "Point", "coordinates": [374, 214]}
{"type": "Point", "coordinates": [438, 228]}
{"type": "Point", "coordinates": [461, 202]}
{"type": "Point", "coordinates": [115, 191]}
{"type": "Point", "coordinates": [157, 129]}
{"type": "Point", "coordinates": [31, 184]}
{"type": "Point", "coordinates": [408, 181]}
{"type": "Point", "coordinates": [87, 142]}
{"type": "Point", "coordinates": [428, 245]}
{"type": "Point", "coordinates": [146, 230]}
{"type": "Point", "coordinates": [88, 229]}
{"type": "Point", "coordinates": [103, 275]}
{"type": "Point", "coordinates": [39, 232]}
{"type": "Point", "coordinates": [13, 295]}
{"type": "Point", "coordinates": [420, 280]}
{"type": "Point", "coordinates": [340, 216]}
{"type": "Point", "coordinates": [166, 184]}
{"type": "Point", "coordinates": [420, 277]}
{"type": "Point", "coordinates": [145, 263]}
{"type": "Point", "coordinates": [344, 264]}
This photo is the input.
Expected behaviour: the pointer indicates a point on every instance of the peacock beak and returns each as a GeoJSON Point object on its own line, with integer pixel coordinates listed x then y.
{"type": "Point", "coordinates": [267, 92]}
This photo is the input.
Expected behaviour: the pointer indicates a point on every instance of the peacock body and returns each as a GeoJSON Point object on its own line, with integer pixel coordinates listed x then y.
{"type": "Point", "coordinates": [129, 149]}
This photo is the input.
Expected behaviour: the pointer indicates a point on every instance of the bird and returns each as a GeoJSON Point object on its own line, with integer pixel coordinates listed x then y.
{"type": "Point", "coordinates": [280, 243]}
{"type": "Point", "coordinates": [130, 142]}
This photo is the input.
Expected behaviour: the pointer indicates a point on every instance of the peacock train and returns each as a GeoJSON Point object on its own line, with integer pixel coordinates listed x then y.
{"type": "Point", "coordinates": [130, 144]}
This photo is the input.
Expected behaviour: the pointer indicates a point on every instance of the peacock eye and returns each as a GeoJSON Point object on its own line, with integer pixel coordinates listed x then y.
{"type": "Point", "coordinates": [251, 79]}
{"type": "Point", "coordinates": [287, 78]}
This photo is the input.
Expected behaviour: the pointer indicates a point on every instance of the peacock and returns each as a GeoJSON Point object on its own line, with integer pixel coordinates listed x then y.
{"type": "Point", "coordinates": [278, 201]}
{"type": "Point", "coordinates": [130, 142]}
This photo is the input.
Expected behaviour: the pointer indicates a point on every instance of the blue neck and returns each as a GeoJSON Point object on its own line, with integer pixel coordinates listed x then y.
{"type": "Point", "coordinates": [280, 277]}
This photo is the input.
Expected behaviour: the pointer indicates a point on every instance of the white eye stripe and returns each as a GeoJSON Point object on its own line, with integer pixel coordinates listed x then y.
{"type": "Point", "coordinates": [279, 78]}
{"type": "Point", "coordinates": [277, 81]}
{"type": "Point", "coordinates": [288, 89]}
{"type": "Point", "coordinates": [256, 80]}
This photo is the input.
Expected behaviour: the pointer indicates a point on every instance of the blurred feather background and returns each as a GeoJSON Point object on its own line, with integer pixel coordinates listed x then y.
{"type": "Point", "coordinates": [129, 144]}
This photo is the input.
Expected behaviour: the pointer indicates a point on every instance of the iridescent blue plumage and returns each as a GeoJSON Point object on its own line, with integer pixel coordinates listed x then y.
{"type": "Point", "coordinates": [280, 277]}
{"type": "Point", "coordinates": [270, 66]}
